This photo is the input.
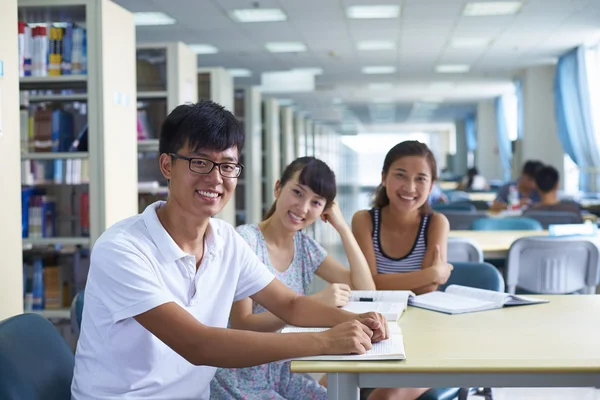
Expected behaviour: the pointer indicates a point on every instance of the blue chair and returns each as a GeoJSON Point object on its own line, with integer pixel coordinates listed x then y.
{"type": "Point", "coordinates": [506, 224]}
{"type": "Point", "coordinates": [458, 206]}
{"type": "Point", "coordinates": [77, 311]}
{"type": "Point", "coordinates": [35, 361]}
{"type": "Point", "coordinates": [480, 275]}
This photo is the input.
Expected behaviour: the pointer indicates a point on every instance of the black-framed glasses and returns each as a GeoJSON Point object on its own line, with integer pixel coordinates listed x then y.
{"type": "Point", "coordinates": [205, 166]}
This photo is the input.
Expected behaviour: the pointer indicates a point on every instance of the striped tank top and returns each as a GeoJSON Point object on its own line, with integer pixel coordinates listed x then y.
{"type": "Point", "coordinates": [410, 262]}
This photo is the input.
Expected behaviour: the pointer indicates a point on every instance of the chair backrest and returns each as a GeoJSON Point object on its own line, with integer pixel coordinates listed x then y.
{"type": "Point", "coordinates": [477, 275]}
{"type": "Point", "coordinates": [457, 195]}
{"type": "Point", "coordinates": [553, 265]}
{"type": "Point", "coordinates": [35, 361]}
{"type": "Point", "coordinates": [77, 311]}
{"type": "Point", "coordinates": [462, 220]}
{"type": "Point", "coordinates": [463, 250]}
{"type": "Point", "coordinates": [547, 218]}
{"type": "Point", "coordinates": [506, 224]}
{"type": "Point", "coordinates": [458, 206]}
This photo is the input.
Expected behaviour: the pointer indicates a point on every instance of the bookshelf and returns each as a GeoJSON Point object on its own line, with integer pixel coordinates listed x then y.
{"type": "Point", "coordinates": [166, 78]}
{"type": "Point", "coordinates": [287, 137]}
{"type": "Point", "coordinates": [271, 150]}
{"type": "Point", "coordinates": [92, 114]}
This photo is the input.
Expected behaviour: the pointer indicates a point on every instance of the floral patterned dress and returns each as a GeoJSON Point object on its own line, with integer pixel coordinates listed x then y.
{"type": "Point", "coordinates": [274, 380]}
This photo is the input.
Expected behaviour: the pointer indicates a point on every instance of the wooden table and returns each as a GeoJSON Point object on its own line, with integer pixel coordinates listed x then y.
{"type": "Point", "coordinates": [448, 185]}
{"type": "Point", "coordinates": [547, 345]}
{"type": "Point", "coordinates": [482, 196]}
{"type": "Point", "coordinates": [495, 244]}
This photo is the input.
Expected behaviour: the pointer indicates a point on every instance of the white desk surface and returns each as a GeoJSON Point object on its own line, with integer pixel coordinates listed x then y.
{"type": "Point", "coordinates": [557, 337]}
{"type": "Point", "coordinates": [495, 241]}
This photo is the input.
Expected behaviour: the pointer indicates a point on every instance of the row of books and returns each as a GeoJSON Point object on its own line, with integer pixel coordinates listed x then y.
{"type": "Point", "coordinates": [41, 216]}
{"type": "Point", "coordinates": [45, 130]}
{"type": "Point", "coordinates": [52, 49]}
{"type": "Point", "coordinates": [41, 172]}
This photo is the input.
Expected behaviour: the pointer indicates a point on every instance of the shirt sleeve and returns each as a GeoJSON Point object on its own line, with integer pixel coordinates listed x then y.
{"type": "Point", "coordinates": [124, 281]}
{"type": "Point", "coordinates": [502, 194]}
{"type": "Point", "coordinates": [313, 256]}
{"type": "Point", "coordinates": [254, 275]}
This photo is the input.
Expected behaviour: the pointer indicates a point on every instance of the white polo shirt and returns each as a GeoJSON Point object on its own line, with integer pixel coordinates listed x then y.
{"type": "Point", "coordinates": [135, 267]}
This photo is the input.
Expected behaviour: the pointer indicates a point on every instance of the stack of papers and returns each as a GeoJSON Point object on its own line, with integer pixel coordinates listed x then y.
{"type": "Point", "coordinates": [390, 303]}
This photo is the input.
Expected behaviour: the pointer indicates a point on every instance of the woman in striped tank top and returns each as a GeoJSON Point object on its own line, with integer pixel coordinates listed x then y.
{"type": "Point", "coordinates": [404, 242]}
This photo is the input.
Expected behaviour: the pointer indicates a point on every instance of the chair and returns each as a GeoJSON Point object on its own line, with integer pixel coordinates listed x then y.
{"type": "Point", "coordinates": [462, 220]}
{"type": "Point", "coordinates": [506, 224]}
{"type": "Point", "coordinates": [479, 275]}
{"type": "Point", "coordinates": [553, 265]}
{"type": "Point", "coordinates": [457, 195]}
{"type": "Point", "coordinates": [77, 312]}
{"type": "Point", "coordinates": [547, 218]}
{"type": "Point", "coordinates": [35, 361]}
{"type": "Point", "coordinates": [474, 274]}
{"type": "Point", "coordinates": [457, 206]}
{"type": "Point", "coordinates": [463, 250]}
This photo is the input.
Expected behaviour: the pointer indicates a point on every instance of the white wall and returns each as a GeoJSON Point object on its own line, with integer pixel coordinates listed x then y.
{"type": "Point", "coordinates": [11, 267]}
{"type": "Point", "coordinates": [487, 158]}
{"type": "Point", "coordinates": [540, 137]}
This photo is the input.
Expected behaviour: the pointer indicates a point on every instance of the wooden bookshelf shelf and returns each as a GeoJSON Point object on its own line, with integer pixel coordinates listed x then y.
{"type": "Point", "coordinates": [148, 145]}
{"type": "Point", "coordinates": [40, 98]}
{"type": "Point", "coordinates": [59, 313]}
{"type": "Point", "coordinates": [76, 155]}
{"type": "Point", "coordinates": [161, 94]}
{"type": "Point", "coordinates": [52, 241]}
{"type": "Point", "coordinates": [53, 82]}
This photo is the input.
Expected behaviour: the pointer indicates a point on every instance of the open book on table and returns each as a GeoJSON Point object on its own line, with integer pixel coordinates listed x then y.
{"type": "Point", "coordinates": [389, 349]}
{"type": "Point", "coordinates": [459, 299]}
{"type": "Point", "coordinates": [390, 303]}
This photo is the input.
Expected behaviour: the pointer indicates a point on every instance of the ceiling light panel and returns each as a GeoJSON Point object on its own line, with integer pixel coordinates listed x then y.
{"type": "Point", "coordinates": [469, 43]}
{"type": "Point", "coordinates": [381, 86]}
{"type": "Point", "coordinates": [152, 18]}
{"type": "Point", "coordinates": [285, 47]}
{"type": "Point", "coordinates": [240, 72]}
{"type": "Point", "coordinates": [452, 68]}
{"type": "Point", "coordinates": [258, 15]}
{"type": "Point", "coordinates": [383, 69]}
{"type": "Point", "coordinates": [371, 45]}
{"type": "Point", "coordinates": [203, 48]}
{"type": "Point", "coordinates": [373, 12]}
{"type": "Point", "coordinates": [484, 9]}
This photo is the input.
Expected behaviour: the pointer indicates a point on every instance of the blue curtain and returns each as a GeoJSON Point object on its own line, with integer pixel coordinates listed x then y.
{"type": "Point", "coordinates": [574, 116]}
{"type": "Point", "coordinates": [471, 133]}
{"type": "Point", "coordinates": [504, 145]}
{"type": "Point", "coordinates": [519, 93]}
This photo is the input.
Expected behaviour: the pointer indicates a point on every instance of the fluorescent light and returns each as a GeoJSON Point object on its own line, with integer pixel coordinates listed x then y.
{"type": "Point", "coordinates": [240, 72]}
{"type": "Point", "coordinates": [203, 48]}
{"type": "Point", "coordinates": [258, 15]}
{"type": "Point", "coordinates": [469, 43]}
{"type": "Point", "coordinates": [314, 71]}
{"type": "Point", "coordinates": [383, 69]}
{"type": "Point", "coordinates": [376, 45]}
{"type": "Point", "coordinates": [480, 9]}
{"type": "Point", "coordinates": [381, 86]}
{"type": "Point", "coordinates": [285, 47]}
{"type": "Point", "coordinates": [372, 12]}
{"type": "Point", "coordinates": [452, 68]}
{"type": "Point", "coordinates": [152, 18]}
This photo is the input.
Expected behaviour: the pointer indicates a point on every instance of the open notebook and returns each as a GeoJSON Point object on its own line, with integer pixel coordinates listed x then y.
{"type": "Point", "coordinates": [389, 349]}
{"type": "Point", "coordinates": [390, 303]}
{"type": "Point", "coordinates": [459, 299]}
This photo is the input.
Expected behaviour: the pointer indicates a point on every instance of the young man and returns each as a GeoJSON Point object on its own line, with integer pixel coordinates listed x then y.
{"type": "Point", "coordinates": [161, 283]}
{"type": "Point", "coordinates": [528, 195]}
{"type": "Point", "coordinates": [547, 180]}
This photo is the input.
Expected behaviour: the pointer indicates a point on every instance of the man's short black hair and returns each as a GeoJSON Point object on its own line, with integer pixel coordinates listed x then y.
{"type": "Point", "coordinates": [203, 125]}
{"type": "Point", "coordinates": [531, 168]}
{"type": "Point", "coordinates": [546, 178]}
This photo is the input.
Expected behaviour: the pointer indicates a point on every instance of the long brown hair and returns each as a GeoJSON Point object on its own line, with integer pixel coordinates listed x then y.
{"type": "Point", "coordinates": [315, 174]}
{"type": "Point", "coordinates": [405, 149]}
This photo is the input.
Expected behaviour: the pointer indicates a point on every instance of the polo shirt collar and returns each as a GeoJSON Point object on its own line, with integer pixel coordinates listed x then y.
{"type": "Point", "coordinates": [214, 240]}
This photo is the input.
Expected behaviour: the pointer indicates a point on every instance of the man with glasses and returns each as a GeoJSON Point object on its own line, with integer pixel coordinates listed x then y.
{"type": "Point", "coordinates": [161, 284]}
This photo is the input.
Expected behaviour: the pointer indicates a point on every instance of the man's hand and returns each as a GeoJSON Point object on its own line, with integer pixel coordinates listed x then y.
{"type": "Point", "coordinates": [377, 324]}
{"type": "Point", "coordinates": [335, 294]}
{"type": "Point", "coordinates": [350, 337]}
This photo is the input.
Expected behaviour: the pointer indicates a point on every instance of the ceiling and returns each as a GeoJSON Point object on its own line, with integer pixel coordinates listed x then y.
{"type": "Point", "coordinates": [537, 35]}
